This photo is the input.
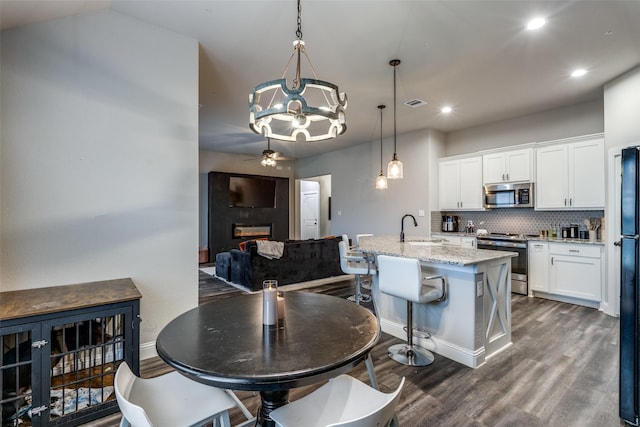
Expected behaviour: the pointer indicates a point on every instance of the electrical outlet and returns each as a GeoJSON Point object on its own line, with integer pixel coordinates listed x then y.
{"type": "Point", "coordinates": [421, 212]}
{"type": "Point", "coordinates": [479, 289]}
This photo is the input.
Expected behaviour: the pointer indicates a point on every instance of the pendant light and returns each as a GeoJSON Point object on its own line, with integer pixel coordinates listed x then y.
{"type": "Point", "coordinates": [311, 110]}
{"type": "Point", "coordinates": [381, 180]}
{"type": "Point", "coordinates": [394, 168]}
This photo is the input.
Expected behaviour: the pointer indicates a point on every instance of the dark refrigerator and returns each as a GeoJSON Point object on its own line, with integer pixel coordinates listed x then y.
{"type": "Point", "coordinates": [629, 288]}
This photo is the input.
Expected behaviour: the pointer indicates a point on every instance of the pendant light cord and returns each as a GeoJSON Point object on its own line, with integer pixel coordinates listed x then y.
{"type": "Point", "coordinates": [381, 107]}
{"type": "Point", "coordinates": [394, 110]}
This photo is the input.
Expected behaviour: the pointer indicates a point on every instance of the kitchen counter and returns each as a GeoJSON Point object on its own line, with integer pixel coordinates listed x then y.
{"type": "Point", "coordinates": [437, 234]}
{"type": "Point", "coordinates": [429, 250]}
{"type": "Point", "coordinates": [474, 322]}
{"type": "Point", "coordinates": [552, 240]}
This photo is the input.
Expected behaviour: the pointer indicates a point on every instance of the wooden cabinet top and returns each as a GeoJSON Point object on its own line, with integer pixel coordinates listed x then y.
{"type": "Point", "coordinates": [32, 302]}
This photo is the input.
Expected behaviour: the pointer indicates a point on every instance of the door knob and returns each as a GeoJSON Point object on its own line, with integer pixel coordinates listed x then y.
{"type": "Point", "coordinates": [618, 243]}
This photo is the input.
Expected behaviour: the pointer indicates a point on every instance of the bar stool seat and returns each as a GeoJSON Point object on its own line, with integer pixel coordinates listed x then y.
{"type": "Point", "coordinates": [402, 278]}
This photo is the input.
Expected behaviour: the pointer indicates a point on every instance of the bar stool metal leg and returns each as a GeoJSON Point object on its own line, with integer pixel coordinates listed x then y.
{"type": "Point", "coordinates": [409, 354]}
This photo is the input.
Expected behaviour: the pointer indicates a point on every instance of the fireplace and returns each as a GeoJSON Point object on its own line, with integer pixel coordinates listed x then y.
{"type": "Point", "coordinates": [250, 231]}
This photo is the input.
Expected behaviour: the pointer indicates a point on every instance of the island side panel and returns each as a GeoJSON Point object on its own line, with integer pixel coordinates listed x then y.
{"type": "Point", "coordinates": [497, 305]}
{"type": "Point", "coordinates": [473, 323]}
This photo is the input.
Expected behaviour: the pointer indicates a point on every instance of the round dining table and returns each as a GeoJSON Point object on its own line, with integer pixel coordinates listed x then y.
{"type": "Point", "coordinates": [225, 344]}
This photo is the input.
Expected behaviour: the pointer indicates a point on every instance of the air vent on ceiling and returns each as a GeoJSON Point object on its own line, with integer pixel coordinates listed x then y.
{"type": "Point", "coordinates": [415, 103]}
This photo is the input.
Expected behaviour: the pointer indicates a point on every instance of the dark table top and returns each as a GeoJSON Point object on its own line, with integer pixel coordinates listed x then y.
{"type": "Point", "coordinates": [225, 344]}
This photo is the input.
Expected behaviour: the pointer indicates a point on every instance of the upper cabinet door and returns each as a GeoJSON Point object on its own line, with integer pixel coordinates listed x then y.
{"type": "Point", "coordinates": [586, 174]}
{"type": "Point", "coordinates": [460, 186]}
{"type": "Point", "coordinates": [518, 165]}
{"type": "Point", "coordinates": [551, 178]}
{"type": "Point", "coordinates": [471, 183]}
{"type": "Point", "coordinates": [507, 166]}
{"type": "Point", "coordinates": [449, 185]}
{"type": "Point", "coordinates": [571, 176]}
{"type": "Point", "coordinates": [493, 170]}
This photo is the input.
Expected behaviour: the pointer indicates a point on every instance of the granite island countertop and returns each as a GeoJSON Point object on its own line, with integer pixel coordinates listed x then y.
{"type": "Point", "coordinates": [429, 250]}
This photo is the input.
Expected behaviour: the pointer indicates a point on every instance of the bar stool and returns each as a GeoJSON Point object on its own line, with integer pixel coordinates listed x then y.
{"type": "Point", "coordinates": [358, 264]}
{"type": "Point", "coordinates": [364, 283]}
{"type": "Point", "coordinates": [402, 278]}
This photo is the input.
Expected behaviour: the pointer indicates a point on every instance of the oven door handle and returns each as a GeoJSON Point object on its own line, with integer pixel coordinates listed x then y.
{"type": "Point", "coordinates": [502, 244]}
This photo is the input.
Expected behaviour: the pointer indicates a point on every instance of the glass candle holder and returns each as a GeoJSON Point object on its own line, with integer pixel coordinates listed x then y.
{"type": "Point", "coordinates": [270, 302]}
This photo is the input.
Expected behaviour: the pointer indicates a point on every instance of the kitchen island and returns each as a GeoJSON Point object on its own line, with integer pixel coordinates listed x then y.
{"type": "Point", "coordinates": [474, 322]}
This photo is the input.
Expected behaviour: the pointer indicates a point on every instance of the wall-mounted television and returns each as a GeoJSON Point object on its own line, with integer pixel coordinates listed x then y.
{"type": "Point", "coordinates": [252, 192]}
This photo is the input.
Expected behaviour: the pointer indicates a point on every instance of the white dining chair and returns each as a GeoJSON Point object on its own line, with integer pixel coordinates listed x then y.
{"type": "Point", "coordinates": [344, 401]}
{"type": "Point", "coordinates": [171, 400]}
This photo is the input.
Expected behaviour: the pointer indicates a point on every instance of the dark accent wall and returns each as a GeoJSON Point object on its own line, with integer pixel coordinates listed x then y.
{"type": "Point", "coordinates": [222, 216]}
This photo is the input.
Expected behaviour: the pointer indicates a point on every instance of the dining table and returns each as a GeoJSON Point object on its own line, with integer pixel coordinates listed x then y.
{"type": "Point", "coordinates": [225, 344]}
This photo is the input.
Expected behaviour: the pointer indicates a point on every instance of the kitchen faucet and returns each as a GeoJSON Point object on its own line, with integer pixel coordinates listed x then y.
{"type": "Point", "coordinates": [415, 224]}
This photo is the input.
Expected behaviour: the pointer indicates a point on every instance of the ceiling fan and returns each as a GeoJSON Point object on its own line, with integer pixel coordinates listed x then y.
{"type": "Point", "coordinates": [270, 157]}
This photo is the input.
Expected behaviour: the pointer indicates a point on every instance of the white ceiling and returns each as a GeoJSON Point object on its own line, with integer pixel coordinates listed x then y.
{"type": "Point", "coordinates": [473, 55]}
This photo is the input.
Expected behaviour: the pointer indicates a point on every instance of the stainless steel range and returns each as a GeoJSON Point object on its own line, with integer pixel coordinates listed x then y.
{"type": "Point", "coordinates": [511, 243]}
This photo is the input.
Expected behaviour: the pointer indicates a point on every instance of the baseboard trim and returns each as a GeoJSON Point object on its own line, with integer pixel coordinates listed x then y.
{"type": "Point", "coordinates": [148, 350]}
{"type": "Point", "coordinates": [473, 359]}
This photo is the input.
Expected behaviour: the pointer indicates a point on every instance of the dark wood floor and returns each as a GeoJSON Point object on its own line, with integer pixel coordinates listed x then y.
{"type": "Point", "coordinates": [562, 370]}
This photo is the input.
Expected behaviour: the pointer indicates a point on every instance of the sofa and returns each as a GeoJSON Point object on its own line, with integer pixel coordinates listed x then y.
{"type": "Point", "coordinates": [301, 261]}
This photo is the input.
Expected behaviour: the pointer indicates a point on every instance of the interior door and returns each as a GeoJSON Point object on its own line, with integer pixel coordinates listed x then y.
{"type": "Point", "coordinates": [310, 214]}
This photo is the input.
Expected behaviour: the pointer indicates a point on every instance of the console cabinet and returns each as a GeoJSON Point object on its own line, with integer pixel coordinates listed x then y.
{"type": "Point", "coordinates": [61, 347]}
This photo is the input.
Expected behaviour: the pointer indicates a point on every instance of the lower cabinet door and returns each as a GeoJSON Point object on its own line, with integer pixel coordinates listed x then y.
{"type": "Point", "coordinates": [577, 277]}
{"type": "Point", "coordinates": [538, 266]}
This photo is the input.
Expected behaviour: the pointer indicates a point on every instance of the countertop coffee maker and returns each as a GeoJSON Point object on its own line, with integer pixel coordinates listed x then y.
{"type": "Point", "coordinates": [449, 222]}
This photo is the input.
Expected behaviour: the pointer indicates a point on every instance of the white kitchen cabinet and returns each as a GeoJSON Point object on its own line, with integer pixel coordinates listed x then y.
{"type": "Point", "coordinates": [451, 240]}
{"type": "Point", "coordinates": [538, 274]}
{"type": "Point", "coordinates": [570, 176]}
{"type": "Point", "coordinates": [460, 184]}
{"type": "Point", "coordinates": [455, 240]}
{"type": "Point", "coordinates": [468, 242]}
{"type": "Point", "coordinates": [507, 166]}
{"type": "Point", "coordinates": [576, 270]}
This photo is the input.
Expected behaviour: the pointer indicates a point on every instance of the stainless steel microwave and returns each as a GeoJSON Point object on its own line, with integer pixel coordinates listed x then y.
{"type": "Point", "coordinates": [508, 195]}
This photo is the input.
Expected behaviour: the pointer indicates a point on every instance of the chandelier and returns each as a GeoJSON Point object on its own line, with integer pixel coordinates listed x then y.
{"type": "Point", "coordinates": [311, 110]}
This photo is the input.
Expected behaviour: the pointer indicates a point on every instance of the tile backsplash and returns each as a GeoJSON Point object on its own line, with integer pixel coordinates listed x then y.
{"type": "Point", "coordinates": [518, 221]}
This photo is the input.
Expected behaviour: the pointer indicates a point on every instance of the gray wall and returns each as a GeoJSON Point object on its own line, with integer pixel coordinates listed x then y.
{"type": "Point", "coordinates": [357, 207]}
{"type": "Point", "coordinates": [622, 103]}
{"type": "Point", "coordinates": [579, 119]}
{"type": "Point", "coordinates": [99, 160]}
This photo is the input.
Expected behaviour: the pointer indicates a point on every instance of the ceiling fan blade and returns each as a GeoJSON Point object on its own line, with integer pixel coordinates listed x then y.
{"type": "Point", "coordinates": [279, 157]}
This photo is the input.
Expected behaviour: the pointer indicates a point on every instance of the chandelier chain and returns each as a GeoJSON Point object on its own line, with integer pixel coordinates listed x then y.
{"type": "Point", "coordinates": [299, 30]}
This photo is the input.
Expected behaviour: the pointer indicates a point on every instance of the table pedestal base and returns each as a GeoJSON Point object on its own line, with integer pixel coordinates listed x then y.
{"type": "Point", "coordinates": [270, 400]}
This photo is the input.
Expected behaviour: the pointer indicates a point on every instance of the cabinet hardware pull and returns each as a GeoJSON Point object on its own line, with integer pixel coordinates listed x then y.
{"type": "Point", "coordinates": [575, 251]}
{"type": "Point", "coordinates": [571, 202]}
{"type": "Point", "coordinates": [507, 177]}
{"type": "Point", "coordinates": [39, 344]}
{"type": "Point", "coordinates": [551, 260]}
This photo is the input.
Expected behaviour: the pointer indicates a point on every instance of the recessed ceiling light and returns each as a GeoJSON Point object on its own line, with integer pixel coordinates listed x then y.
{"type": "Point", "coordinates": [536, 23]}
{"type": "Point", "coordinates": [579, 72]}
{"type": "Point", "coordinates": [446, 109]}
